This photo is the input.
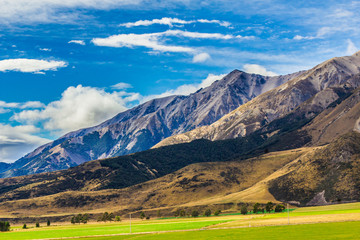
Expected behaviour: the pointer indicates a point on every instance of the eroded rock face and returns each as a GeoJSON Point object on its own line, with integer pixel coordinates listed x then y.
{"type": "Point", "coordinates": [318, 200]}
{"type": "Point", "coordinates": [143, 126]}
{"type": "Point", "coordinates": [314, 84]}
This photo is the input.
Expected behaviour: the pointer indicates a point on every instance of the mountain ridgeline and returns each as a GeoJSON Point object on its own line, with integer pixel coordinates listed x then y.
{"type": "Point", "coordinates": [320, 85]}
{"type": "Point", "coordinates": [141, 127]}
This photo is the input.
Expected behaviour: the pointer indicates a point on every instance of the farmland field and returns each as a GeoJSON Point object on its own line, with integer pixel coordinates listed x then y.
{"type": "Point", "coordinates": [329, 222]}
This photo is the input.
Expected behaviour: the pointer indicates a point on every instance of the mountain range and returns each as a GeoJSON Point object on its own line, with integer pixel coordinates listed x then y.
{"type": "Point", "coordinates": [297, 143]}
{"type": "Point", "coordinates": [141, 127]}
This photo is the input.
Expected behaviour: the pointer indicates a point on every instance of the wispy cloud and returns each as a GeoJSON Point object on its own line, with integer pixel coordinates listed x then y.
{"type": "Point", "coordinates": [16, 141]}
{"type": "Point", "coordinates": [80, 42]}
{"type": "Point", "coordinates": [45, 49]}
{"type": "Point", "coordinates": [171, 21]}
{"type": "Point", "coordinates": [351, 48]}
{"type": "Point", "coordinates": [186, 89]}
{"type": "Point", "coordinates": [40, 11]}
{"type": "Point", "coordinates": [30, 65]}
{"type": "Point", "coordinates": [29, 104]}
{"type": "Point", "coordinates": [121, 86]}
{"type": "Point", "coordinates": [151, 40]}
{"type": "Point", "coordinates": [155, 41]}
{"type": "Point", "coordinates": [258, 69]}
{"type": "Point", "coordinates": [201, 57]}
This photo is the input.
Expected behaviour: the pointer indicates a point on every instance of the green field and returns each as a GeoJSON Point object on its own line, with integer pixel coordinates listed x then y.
{"type": "Point", "coordinates": [344, 218]}
{"type": "Point", "coordinates": [110, 228]}
{"type": "Point", "coordinates": [321, 231]}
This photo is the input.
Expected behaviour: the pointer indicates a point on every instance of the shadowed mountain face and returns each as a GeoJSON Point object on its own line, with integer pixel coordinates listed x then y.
{"type": "Point", "coordinates": [323, 84]}
{"type": "Point", "coordinates": [142, 127]}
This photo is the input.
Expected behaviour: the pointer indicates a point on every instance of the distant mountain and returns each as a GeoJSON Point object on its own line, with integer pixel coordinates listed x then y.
{"type": "Point", "coordinates": [322, 84]}
{"type": "Point", "coordinates": [143, 126]}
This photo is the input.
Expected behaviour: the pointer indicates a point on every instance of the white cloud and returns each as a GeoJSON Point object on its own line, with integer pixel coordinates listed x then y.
{"type": "Point", "coordinates": [221, 23]}
{"type": "Point", "coordinates": [351, 48]}
{"type": "Point", "coordinates": [197, 35]}
{"type": "Point", "coordinates": [201, 57]}
{"type": "Point", "coordinates": [155, 41]}
{"type": "Point", "coordinates": [81, 42]}
{"type": "Point", "coordinates": [171, 21]}
{"type": "Point", "coordinates": [16, 141]}
{"type": "Point", "coordinates": [78, 107]}
{"type": "Point", "coordinates": [342, 13]}
{"type": "Point", "coordinates": [149, 40]}
{"type": "Point", "coordinates": [30, 65]}
{"type": "Point", "coordinates": [3, 110]}
{"type": "Point", "coordinates": [45, 49]}
{"type": "Point", "coordinates": [321, 33]}
{"type": "Point", "coordinates": [25, 11]}
{"type": "Point", "coordinates": [121, 85]}
{"type": "Point", "coordinates": [299, 37]}
{"type": "Point", "coordinates": [257, 69]}
{"type": "Point", "coordinates": [186, 89]}
{"type": "Point", "coordinates": [162, 21]}
{"type": "Point", "coordinates": [29, 104]}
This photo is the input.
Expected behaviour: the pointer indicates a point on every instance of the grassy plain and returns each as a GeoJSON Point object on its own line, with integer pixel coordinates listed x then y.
{"type": "Point", "coordinates": [320, 231]}
{"type": "Point", "coordinates": [329, 222]}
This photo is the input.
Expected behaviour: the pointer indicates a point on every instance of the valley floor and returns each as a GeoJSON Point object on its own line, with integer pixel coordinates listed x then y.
{"type": "Point", "coordinates": [328, 222]}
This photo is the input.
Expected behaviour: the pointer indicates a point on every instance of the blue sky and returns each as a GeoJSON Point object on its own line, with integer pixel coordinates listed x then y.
{"type": "Point", "coordinates": [69, 64]}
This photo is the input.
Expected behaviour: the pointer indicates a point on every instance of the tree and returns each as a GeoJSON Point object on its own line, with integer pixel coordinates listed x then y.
{"type": "Point", "coordinates": [148, 217]}
{"type": "Point", "coordinates": [24, 226]}
{"type": "Point", "coordinates": [73, 220]}
{"type": "Point", "coordinates": [111, 217]}
{"type": "Point", "coordinates": [195, 213]}
{"type": "Point", "coordinates": [207, 213]}
{"type": "Point", "coordinates": [279, 208]}
{"type": "Point", "coordinates": [142, 215]}
{"type": "Point", "coordinates": [78, 218]}
{"type": "Point", "coordinates": [182, 213]}
{"type": "Point", "coordinates": [105, 216]}
{"type": "Point", "coordinates": [158, 214]}
{"type": "Point", "coordinates": [217, 212]}
{"type": "Point", "coordinates": [85, 218]}
{"type": "Point", "coordinates": [117, 219]}
{"type": "Point", "coordinates": [244, 210]}
{"type": "Point", "coordinates": [4, 226]}
{"type": "Point", "coordinates": [256, 207]}
{"type": "Point", "coordinates": [269, 207]}
{"type": "Point", "coordinates": [48, 222]}
{"type": "Point", "coordinates": [37, 224]}
{"type": "Point", "coordinates": [177, 213]}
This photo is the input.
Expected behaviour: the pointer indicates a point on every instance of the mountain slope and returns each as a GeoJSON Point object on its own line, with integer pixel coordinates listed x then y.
{"type": "Point", "coordinates": [143, 126]}
{"type": "Point", "coordinates": [298, 175]}
{"type": "Point", "coordinates": [278, 102]}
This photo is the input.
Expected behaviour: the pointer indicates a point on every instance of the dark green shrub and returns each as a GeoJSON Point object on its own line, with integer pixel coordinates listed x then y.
{"type": "Point", "coordinates": [279, 208]}
{"type": "Point", "coordinates": [207, 213]}
{"type": "Point", "coordinates": [195, 213]}
{"type": "Point", "coordinates": [217, 212]}
{"type": "Point", "coordinates": [4, 226]}
{"type": "Point", "coordinates": [244, 210]}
